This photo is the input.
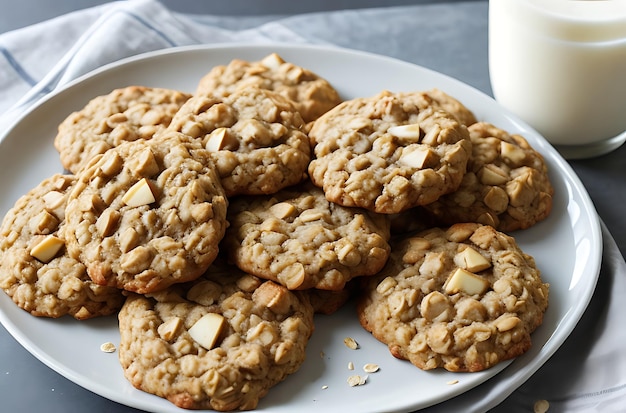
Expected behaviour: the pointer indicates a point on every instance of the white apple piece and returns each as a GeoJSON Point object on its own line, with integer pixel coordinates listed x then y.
{"type": "Point", "coordinates": [207, 329]}
{"type": "Point", "coordinates": [139, 194]}
{"type": "Point", "coordinates": [465, 281]}
{"type": "Point", "coordinates": [47, 248]}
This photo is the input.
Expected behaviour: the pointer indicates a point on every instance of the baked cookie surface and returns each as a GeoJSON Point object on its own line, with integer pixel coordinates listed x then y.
{"type": "Point", "coordinates": [438, 98]}
{"type": "Point", "coordinates": [147, 214]}
{"type": "Point", "coordinates": [259, 338]}
{"type": "Point", "coordinates": [254, 136]}
{"type": "Point", "coordinates": [506, 185]}
{"type": "Point", "coordinates": [125, 114]}
{"type": "Point", "coordinates": [311, 94]}
{"type": "Point", "coordinates": [35, 269]}
{"type": "Point", "coordinates": [464, 299]}
{"type": "Point", "coordinates": [301, 240]}
{"type": "Point", "coordinates": [387, 153]}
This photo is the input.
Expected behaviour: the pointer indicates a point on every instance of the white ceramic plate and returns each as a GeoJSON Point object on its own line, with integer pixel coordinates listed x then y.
{"type": "Point", "coordinates": [72, 348]}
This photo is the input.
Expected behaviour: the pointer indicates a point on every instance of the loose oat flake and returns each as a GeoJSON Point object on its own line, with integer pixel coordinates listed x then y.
{"type": "Point", "coordinates": [541, 406]}
{"type": "Point", "coordinates": [451, 382]}
{"type": "Point", "coordinates": [351, 343]}
{"type": "Point", "coordinates": [357, 380]}
{"type": "Point", "coordinates": [350, 366]}
{"type": "Point", "coordinates": [107, 347]}
{"type": "Point", "coordinates": [370, 368]}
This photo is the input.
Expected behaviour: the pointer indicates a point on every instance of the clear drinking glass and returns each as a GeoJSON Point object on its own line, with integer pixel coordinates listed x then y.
{"type": "Point", "coordinates": [560, 65]}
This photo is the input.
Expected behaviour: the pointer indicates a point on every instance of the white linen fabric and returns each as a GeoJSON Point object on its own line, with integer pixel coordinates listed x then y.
{"type": "Point", "coordinates": [587, 374]}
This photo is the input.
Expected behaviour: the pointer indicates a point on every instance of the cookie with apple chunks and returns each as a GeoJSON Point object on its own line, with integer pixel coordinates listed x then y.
{"type": "Point", "coordinates": [36, 270]}
{"type": "Point", "coordinates": [299, 239]}
{"type": "Point", "coordinates": [506, 185]}
{"type": "Point", "coordinates": [147, 214]}
{"type": "Point", "coordinates": [463, 299]}
{"type": "Point", "coordinates": [220, 342]}
{"type": "Point", "coordinates": [311, 94]}
{"type": "Point", "coordinates": [388, 153]}
{"type": "Point", "coordinates": [254, 137]}
{"type": "Point", "coordinates": [125, 114]}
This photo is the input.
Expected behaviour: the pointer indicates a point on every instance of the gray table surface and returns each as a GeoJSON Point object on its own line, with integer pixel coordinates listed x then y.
{"type": "Point", "coordinates": [27, 385]}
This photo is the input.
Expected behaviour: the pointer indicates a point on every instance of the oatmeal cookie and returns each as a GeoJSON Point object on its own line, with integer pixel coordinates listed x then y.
{"type": "Point", "coordinates": [464, 299]}
{"type": "Point", "coordinates": [220, 342]}
{"type": "Point", "coordinates": [301, 240]}
{"type": "Point", "coordinates": [125, 114]}
{"type": "Point", "coordinates": [35, 269]}
{"type": "Point", "coordinates": [255, 138]}
{"type": "Point", "coordinates": [311, 94]}
{"type": "Point", "coordinates": [506, 184]}
{"type": "Point", "coordinates": [387, 154]}
{"type": "Point", "coordinates": [147, 214]}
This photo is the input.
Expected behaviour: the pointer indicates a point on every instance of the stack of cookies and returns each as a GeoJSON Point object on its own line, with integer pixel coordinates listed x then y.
{"type": "Point", "coordinates": [216, 224]}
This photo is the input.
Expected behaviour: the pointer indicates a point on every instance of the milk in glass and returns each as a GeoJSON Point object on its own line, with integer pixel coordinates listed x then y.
{"type": "Point", "coordinates": [560, 65]}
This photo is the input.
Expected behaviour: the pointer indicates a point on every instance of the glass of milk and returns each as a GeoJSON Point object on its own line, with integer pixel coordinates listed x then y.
{"type": "Point", "coordinates": [560, 65]}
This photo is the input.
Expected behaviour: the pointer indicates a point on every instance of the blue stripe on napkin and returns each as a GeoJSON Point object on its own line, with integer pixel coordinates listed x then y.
{"type": "Point", "coordinates": [15, 65]}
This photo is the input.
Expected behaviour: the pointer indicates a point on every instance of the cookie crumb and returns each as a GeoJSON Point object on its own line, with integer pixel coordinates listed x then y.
{"type": "Point", "coordinates": [370, 368]}
{"type": "Point", "coordinates": [350, 366]}
{"type": "Point", "coordinates": [324, 387]}
{"type": "Point", "coordinates": [541, 406]}
{"type": "Point", "coordinates": [357, 380]}
{"type": "Point", "coordinates": [108, 347]}
{"type": "Point", "coordinates": [451, 382]}
{"type": "Point", "coordinates": [351, 343]}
